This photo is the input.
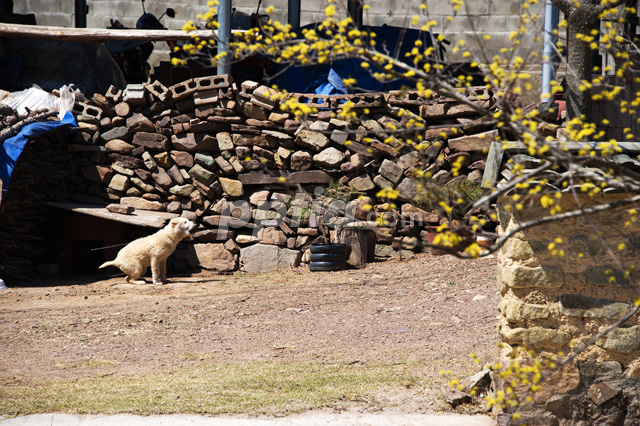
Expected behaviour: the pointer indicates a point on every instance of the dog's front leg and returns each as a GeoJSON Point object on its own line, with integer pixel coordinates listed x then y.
{"type": "Point", "coordinates": [163, 271]}
{"type": "Point", "coordinates": [156, 271]}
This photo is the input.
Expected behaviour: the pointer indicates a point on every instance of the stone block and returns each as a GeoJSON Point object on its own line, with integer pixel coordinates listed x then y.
{"type": "Point", "coordinates": [623, 340]}
{"type": "Point", "coordinates": [310, 139]}
{"type": "Point", "coordinates": [608, 276]}
{"type": "Point", "coordinates": [518, 276]}
{"type": "Point", "coordinates": [232, 187]}
{"type": "Point", "coordinates": [391, 171]}
{"type": "Point", "coordinates": [141, 203]}
{"type": "Point", "coordinates": [537, 337]}
{"type": "Point", "coordinates": [215, 257]}
{"type": "Point", "coordinates": [152, 141]}
{"type": "Point", "coordinates": [576, 305]}
{"type": "Point", "coordinates": [119, 183]}
{"type": "Point", "coordinates": [202, 175]}
{"type": "Point", "coordinates": [261, 258]}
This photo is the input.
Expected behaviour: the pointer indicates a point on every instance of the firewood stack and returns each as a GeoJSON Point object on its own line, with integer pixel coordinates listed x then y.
{"type": "Point", "coordinates": [230, 158]}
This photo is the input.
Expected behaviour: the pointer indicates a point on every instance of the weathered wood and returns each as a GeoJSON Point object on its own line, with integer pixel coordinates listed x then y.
{"type": "Point", "coordinates": [360, 242]}
{"type": "Point", "coordinates": [99, 35]}
{"type": "Point", "coordinates": [139, 217]}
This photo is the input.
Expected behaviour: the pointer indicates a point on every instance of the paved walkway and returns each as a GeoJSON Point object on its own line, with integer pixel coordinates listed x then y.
{"type": "Point", "coordinates": [313, 418]}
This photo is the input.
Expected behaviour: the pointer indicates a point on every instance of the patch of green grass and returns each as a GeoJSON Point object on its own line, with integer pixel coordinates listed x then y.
{"type": "Point", "coordinates": [249, 388]}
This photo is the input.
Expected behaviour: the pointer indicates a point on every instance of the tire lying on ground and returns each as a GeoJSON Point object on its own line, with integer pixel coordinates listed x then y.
{"type": "Point", "coordinates": [328, 257]}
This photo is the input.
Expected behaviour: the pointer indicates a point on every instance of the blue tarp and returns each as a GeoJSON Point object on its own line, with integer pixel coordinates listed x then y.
{"type": "Point", "coordinates": [12, 148]}
{"type": "Point", "coordinates": [394, 41]}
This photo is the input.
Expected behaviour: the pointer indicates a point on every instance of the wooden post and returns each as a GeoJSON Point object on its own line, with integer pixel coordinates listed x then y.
{"type": "Point", "coordinates": [360, 242]}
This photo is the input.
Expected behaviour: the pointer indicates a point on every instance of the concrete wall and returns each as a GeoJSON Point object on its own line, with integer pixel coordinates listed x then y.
{"type": "Point", "coordinates": [495, 17]}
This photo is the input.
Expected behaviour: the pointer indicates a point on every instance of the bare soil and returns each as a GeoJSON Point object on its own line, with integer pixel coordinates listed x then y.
{"type": "Point", "coordinates": [432, 309]}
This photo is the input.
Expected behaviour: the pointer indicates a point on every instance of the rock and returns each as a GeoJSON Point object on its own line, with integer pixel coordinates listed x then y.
{"type": "Point", "coordinates": [182, 158]}
{"type": "Point", "coordinates": [408, 188]}
{"type": "Point", "coordinates": [139, 123]}
{"type": "Point", "coordinates": [119, 146]}
{"type": "Point", "coordinates": [141, 203]}
{"type": "Point", "coordinates": [516, 311]}
{"type": "Point", "coordinates": [312, 140]}
{"type": "Point", "coordinates": [215, 257]}
{"type": "Point", "coordinates": [362, 183]}
{"type": "Point", "coordinates": [182, 190]}
{"type": "Point", "coordinates": [536, 337]}
{"type": "Point", "coordinates": [301, 160]}
{"type": "Point", "coordinates": [360, 208]}
{"type": "Point", "coordinates": [272, 236]}
{"type": "Point", "coordinates": [205, 160]}
{"type": "Point", "coordinates": [202, 175]}
{"type": "Point", "coordinates": [601, 393]}
{"type": "Point", "coordinates": [391, 171]}
{"type": "Point", "coordinates": [149, 162]}
{"type": "Point", "coordinates": [119, 183]}
{"type": "Point", "coordinates": [409, 160]}
{"type": "Point", "coordinates": [225, 141]}
{"type": "Point", "coordinates": [455, 397]}
{"type": "Point", "coordinates": [98, 174]}
{"type": "Point", "coordinates": [120, 209]}
{"type": "Point", "coordinates": [518, 276]}
{"type": "Point", "coordinates": [260, 258]}
{"type": "Point", "coordinates": [329, 157]}
{"type": "Point", "coordinates": [576, 305]}
{"type": "Point", "coordinates": [475, 143]}
{"type": "Point", "coordinates": [232, 187]}
{"type": "Point", "coordinates": [480, 382]}
{"type": "Point", "coordinates": [142, 185]}
{"type": "Point", "coordinates": [162, 178]}
{"type": "Point", "coordinates": [623, 340]}
{"type": "Point", "coordinates": [119, 132]}
{"type": "Point", "coordinates": [259, 197]}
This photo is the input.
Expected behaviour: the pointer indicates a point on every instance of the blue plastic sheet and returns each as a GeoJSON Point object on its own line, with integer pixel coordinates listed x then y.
{"type": "Point", "coordinates": [12, 148]}
{"type": "Point", "coordinates": [394, 41]}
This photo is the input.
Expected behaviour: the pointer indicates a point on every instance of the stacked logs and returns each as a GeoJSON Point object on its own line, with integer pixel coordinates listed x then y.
{"type": "Point", "coordinates": [233, 160]}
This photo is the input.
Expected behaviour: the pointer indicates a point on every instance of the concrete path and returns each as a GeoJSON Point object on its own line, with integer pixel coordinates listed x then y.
{"type": "Point", "coordinates": [313, 418]}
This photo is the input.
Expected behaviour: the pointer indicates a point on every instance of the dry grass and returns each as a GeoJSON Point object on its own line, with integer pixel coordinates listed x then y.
{"type": "Point", "coordinates": [248, 388]}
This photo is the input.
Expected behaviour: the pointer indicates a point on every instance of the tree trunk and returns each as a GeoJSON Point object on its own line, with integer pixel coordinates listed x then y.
{"type": "Point", "coordinates": [360, 242]}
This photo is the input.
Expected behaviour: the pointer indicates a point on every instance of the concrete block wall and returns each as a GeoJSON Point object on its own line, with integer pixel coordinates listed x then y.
{"type": "Point", "coordinates": [553, 302]}
{"type": "Point", "coordinates": [497, 18]}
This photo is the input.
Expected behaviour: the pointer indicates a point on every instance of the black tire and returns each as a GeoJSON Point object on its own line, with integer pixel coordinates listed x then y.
{"type": "Point", "coordinates": [324, 257]}
{"type": "Point", "coordinates": [327, 266]}
{"type": "Point", "coordinates": [328, 248]}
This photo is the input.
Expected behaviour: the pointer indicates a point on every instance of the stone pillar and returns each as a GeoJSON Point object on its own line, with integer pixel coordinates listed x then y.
{"type": "Point", "coordinates": [560, 286]}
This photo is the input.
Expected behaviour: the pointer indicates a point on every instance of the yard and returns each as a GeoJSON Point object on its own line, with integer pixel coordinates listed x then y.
{"type": "Point", "coordinates": [370, 339]}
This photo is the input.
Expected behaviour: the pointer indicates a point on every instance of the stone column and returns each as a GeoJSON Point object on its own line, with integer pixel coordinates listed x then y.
{"type": "Point", "coordinates": [562, 283]}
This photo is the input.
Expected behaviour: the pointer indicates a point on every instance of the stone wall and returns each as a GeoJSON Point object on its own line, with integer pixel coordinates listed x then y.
{"type": "Point", "coordinates": [557, 297]}
{"type": "Point", "coordinates": [229, 158]}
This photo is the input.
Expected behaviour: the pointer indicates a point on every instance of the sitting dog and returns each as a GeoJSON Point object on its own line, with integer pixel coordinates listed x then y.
{"type": "Point", "coordinates": [153, 250]}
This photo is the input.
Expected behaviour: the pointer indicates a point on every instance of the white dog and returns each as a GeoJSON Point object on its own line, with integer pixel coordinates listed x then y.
{"type": "Point", "coordinates": [153, 250]}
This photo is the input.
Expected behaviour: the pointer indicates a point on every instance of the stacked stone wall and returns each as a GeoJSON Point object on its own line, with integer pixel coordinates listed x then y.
{"type": "Point", "coordinates": [229, 158]}
{"type": "Point", "coordinates": [561, 285]}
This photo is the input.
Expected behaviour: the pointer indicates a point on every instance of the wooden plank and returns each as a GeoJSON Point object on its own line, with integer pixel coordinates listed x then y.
{"type": "Point", "coordinates": [492, 167]}
{"type": "Point", "coordinates": [139, 217]}
{"type": "Point", "coordinates": [100, 35]}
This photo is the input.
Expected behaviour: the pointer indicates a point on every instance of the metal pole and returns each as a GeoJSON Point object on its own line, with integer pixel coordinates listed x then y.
{"type": "Point", "coordinates": [293, 13]}
{"type": "Point", "coordinates": [224, 33]}
{"type": "Point", "coordinates": [80, 13]}
{"type": "Point", "coordinates": [549, 62]}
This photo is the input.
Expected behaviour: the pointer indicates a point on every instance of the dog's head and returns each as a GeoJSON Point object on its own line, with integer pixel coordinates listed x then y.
{"type": "Point", "coordinates": [182, 226]}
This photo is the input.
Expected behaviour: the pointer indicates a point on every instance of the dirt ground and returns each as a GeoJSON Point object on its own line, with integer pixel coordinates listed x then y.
{"type": "Point", "coordinates": [437, 309]}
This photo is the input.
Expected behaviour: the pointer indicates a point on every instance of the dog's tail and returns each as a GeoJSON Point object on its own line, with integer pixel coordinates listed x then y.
{"type": "Point", "coordinates": [105, 264]}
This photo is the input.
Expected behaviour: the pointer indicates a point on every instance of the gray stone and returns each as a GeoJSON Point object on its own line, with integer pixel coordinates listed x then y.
{"type": "Point", "coordinates": [205, 160]}
{"type": "Point", "coordinates": [312, 140]}
{"type": "Point", "coordinates": [601, 370]}
{"type": "Point", "coordinates": [329, 157]}
{"type": "Point", "coordinates": [141, 203]}
{"type": "Point", "coordinates": [391, 171]}
{"type": "Point", "coordinates": [319, 126]}
{"type": "Point", "coordinates": [623, 340]}
{"type": "Point", "coordinates": [518, 276]}
{"type": "Point", "coordinates": [215, 257]}
{"type": "Point", "coordinates": [260, 258]}
{"type": "Point", "coordinates": [382, 183]}
{"type": "Point", "coordinates": [362, 183]}
{"type": "Point", "coordinates": [384, 250]}
{"type": "Point", "coordinates": [606, 275]}
{"type": "Point", "coordinates": [120, 132]}
{"type": "Point", "coordinates": [576, 305]}
{"type": "Point", "coordinates": [202, 175]}
{"type": "Point", "coordinates": [409, 159]}
{"type": "Point", "coordinates": [408, 188]}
